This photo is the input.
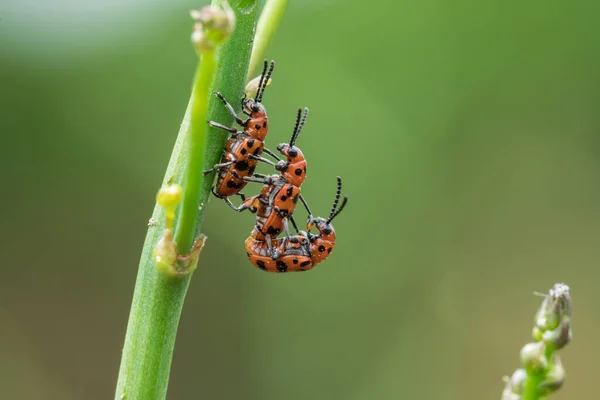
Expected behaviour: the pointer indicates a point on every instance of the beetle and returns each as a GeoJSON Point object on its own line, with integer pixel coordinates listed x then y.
{"type": "Point", "coordinates": [236, 162]}
{"type": "Point", "coordinates": [300, 252]}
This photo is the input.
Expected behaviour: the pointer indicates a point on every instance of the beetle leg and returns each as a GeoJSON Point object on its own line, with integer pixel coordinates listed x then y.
{"type": "Point", "coordinates": [247, 204]}
{"type": "Point", "coordinates": [226, 128]}
{"type": "Point", "coordinates": [251, 179]}
{"type": "Point", "coordinates": [269, 152]}
{"type": "Point", "coordinates": [261, 159]}
{"type": "Point", "coordinates": [291, 218]}
{"type": "Point", "coordinates": [274, 253]}
{"type": "Point", "coordinates": [230, 108]}
{"type": "Point", "coordinates": [310, 214]}
{"type": "Point", "coordinates": [218, 166]}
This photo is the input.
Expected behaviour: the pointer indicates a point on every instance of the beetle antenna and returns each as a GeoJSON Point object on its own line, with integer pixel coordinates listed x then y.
{"type": "Point", "coordinates": [295, 131]}
{"type": "Point", "coordinates": [260, 82]}
{"type": "Point", "coordinates": [335, 212]}
{"type": "Point", "coordinates": [300, 120]}
{"type": "Point", "coordinates": [264, 80]}
{"type": "Point", "coordinates": [337, 197]}
{"type": "Point", "coordinates": [339, 210]}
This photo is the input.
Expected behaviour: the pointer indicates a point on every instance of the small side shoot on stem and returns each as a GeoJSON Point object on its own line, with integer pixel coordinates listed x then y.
{"type": "Point", "coordinates": [265, 31]}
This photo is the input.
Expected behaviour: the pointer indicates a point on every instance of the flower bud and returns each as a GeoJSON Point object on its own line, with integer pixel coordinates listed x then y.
{"type": "Point", "coordinates": [514, 385]}
{"type": "Point", "coordinates": [212, 26]}
{"type": "Point", "coordinates": [252, 86]}
{"type": "Point", "coordinates": [559, 337]}
{"type": "Point", "coordinates": [200, 41]}
{"type": "Point", "coordinates": [533, 357]}
{"type": "Point", "coordinates": [517, 380]}
{"type": "Point", "coordinates": [165, 252]}
{"type": "Point", "coordinates": [169, 196]}
{"type": "Point", "coordinates": [507, 394]}
{"type": "Point", "coordinates": [215, 18]}
{"type": "Point", "coordinates": [554, 379]}
{"type": "Point", "coordinates": [555, 306]}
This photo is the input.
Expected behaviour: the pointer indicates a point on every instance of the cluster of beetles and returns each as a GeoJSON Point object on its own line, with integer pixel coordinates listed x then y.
{"type": "Point", "coordinates": [275, 203]}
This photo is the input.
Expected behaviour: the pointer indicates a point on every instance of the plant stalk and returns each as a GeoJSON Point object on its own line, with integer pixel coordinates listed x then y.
{"type": "Point", "coordinates": [265, 31]}
{"type": "Point", "coordinates": [185, 231]}
{"type": "Point", "coordinates": [158, 298]}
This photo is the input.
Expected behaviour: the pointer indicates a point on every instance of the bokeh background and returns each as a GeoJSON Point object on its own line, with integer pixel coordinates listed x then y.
{"type": "Point", "coordinates": [467, 135]}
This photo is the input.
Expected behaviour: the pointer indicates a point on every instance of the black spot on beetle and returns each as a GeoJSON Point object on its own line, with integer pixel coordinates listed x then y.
{"type": "Point", "coordinates": [321, 248]}
{"type": "Point", "coordinates": [257, 127]}
{"type": "Point", "coordinates": [243, 151]}
{"type": "Point", "coordinates": [273, 231]}
{"type": "Point", "coordinates": [250, 142]}
{"type": "Point", "coordinates": [290, 190]}
{"type": "Point", "coordinates": [261, 264]}
{"type": "Point", "coordinates": [258, 151]}
{"type": "Point", "coordinates": [295, 199]}
{"type": "Point", "coordinates": [295, 261]}
{"type": "Point", "coordinates": [305, 263]}
{"type": "Point", "coordinates": [283, 197]}
{"type": "Point", "coordinates": [329, 250]}
{"type": "Point", "coordinates": [235, 185]}
{"type": "Point", "coordinates": [251, 170]}
{"type": "Point", "coordinates": [241, 165]}
{"type": "Point", "coordinates": [265, 124]}
{"type": "Point", "coordinates": [298, 171]}
{"type": "Point", "coordinates": [281, 266]}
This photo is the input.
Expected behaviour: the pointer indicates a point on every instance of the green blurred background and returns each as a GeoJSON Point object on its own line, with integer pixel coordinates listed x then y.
{"type": "Point", "coordinates": [467, 135]}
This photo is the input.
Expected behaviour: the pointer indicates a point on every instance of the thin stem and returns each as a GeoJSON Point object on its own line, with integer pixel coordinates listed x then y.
{"type": "Point", "coordinates": [530, 389]}
{"type": "Point", "coordinates": [185, 230]}
{"type": "Point", "coordinates": [158, 297]}
{"type": "Point", "coordinates": [267, 25]}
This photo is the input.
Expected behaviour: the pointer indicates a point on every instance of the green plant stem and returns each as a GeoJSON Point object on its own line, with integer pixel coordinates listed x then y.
{"type": "Point", "coordinates": [158, 297]}
{"type": "Point", "coordinates": [185, 231]}
{"type": "Point", "coordinates": [530, 389]}
{"type": "Point", "coordinates": [267, 25]}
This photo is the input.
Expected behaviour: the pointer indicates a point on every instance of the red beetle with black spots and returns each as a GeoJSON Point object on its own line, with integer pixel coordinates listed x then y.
{"type": "Point", "coordinates": [236, 161]}
{"type": "Point", "coordinates": [300, 252]}
{"type": "Point", "coordinates": [280, 193]}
